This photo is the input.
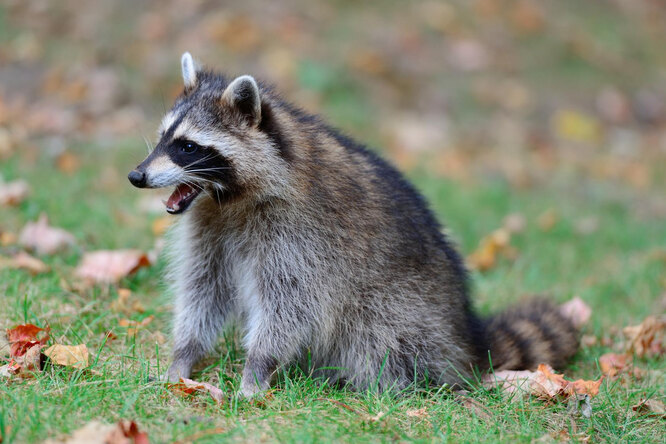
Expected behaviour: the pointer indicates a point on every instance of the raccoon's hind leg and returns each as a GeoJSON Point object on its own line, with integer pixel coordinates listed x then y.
{"type": "Point", "coordinates": [199, 315]}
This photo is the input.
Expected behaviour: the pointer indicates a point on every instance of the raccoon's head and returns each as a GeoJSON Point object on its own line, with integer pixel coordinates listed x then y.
{"type": "Point", "coordinates": [212, 142]}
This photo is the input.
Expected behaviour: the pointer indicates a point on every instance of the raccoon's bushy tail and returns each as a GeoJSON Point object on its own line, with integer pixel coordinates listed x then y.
{"type": "Point", "coordinates": [533, 333]}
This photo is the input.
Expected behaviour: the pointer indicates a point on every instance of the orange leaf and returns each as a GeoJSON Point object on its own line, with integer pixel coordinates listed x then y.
{"type": "Point", "coordinates": [134, 326]}
{"type": "Point", "coordinates": [496, 243]}
{"type": "Point", "coordinates": [542, 383]}
{"type": "Point", "coordinates": [23, 337]}
{"type": "Point", "coordinates": [611, 364]}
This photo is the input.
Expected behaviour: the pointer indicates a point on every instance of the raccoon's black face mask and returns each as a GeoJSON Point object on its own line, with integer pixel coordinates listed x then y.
{"type": "Point", "coordinates": [186, 155]}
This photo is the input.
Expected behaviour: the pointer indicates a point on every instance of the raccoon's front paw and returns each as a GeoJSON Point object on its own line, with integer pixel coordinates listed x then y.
{"type": "Point", "coordinates": [250, 389]}
{"type": "Point", "coordinates": [175, 372]}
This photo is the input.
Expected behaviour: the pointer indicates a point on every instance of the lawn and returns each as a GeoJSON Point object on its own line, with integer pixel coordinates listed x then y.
{"type": "Point", "coordinates": [615, 270]}
{"type": "Point", "coordinates": [483, 137]}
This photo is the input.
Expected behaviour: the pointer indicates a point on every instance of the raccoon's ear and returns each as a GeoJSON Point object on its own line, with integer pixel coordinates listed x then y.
{"type": "Point", "coordinates": [189, 70]}
{"type": "Point", "coordinates": [243, 94]}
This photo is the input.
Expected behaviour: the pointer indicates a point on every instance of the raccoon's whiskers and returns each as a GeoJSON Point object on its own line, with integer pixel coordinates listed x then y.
{"type": "Point", "coordinates": [203, 159]}
{"type": "Point", "coordinates": [149, 146]}
{"type": "Point", "coordinates": [203, 170]}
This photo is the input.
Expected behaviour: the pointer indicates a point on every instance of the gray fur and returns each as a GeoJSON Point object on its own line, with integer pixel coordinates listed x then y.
{"type": "Point", "coordinates": [316, 247]}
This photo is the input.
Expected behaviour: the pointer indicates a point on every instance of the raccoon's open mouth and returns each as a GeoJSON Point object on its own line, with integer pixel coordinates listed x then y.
{"type": "Point", "coordinates": [181, 198]}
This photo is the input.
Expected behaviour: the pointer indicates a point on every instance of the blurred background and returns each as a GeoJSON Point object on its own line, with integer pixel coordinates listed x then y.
{"type": "Point", "coordinates": [547, 111]}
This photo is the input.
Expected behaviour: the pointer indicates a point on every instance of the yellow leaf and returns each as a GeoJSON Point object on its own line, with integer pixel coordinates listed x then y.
{"type": "Point", "coordinates": [68, 355]}
{"type": "Point", "coordinates": [576, 126]}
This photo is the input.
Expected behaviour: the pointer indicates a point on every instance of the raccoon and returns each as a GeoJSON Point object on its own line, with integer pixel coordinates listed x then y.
{"type": "Point", "coordinates": [322, 252]}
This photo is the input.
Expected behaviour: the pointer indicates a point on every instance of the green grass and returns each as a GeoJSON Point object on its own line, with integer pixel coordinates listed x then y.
{"type": "Point", "coordinates": [613, 269]}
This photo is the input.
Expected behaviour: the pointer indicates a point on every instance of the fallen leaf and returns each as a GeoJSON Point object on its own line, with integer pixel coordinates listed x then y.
{"type": "Point", "coordinates": [611, 364]}
{"type": "Point", "coordinates": [68, 163]}
{"type": "Point", "coordinates": [468, 55]}
{"type": "Point", "coordinates": [650, 407]}
{"type": "Point", "coordinates": [588, 341]}
{"type": "Point", "coordinates": [68, 355]}
{"type": "Point", "coordinates": [109, 266]}
{"type": "Point", "coordinates": [474, 406]}
{"type": "Point", "coordinates": [577, 311]}
{"type": "Point", "coordinates": [29, 363]}
{"type": "Point", "coordinates": [23, 261]}
{"type": "Point", "coordinates": [23, 337]}
{"type": "Point", "coordinates": [576, 126]}
{"type": "Point", "coordinates": [490, 247]}
{"type": "Point", "coordinates": [7, 238]}
{"type": "Point", "coordinates": [587, 226]}
{"type": "Point", "coordinates": [417, 413]}
{"type": "Point", "coordinates": [527, 17]}
{"type": "Point", "coordinates": [515, 223]}
{"type": "Point", "coordinates": [190, 386]}
{"type": "Point", "coordinates": [135, 326]}
{"type": "Point", "coordinates": [647, 339]}
{"type": "Point", "coordinates": [124, 304]}
{"type": "Point", "coordinates": [44, 239]}
{"type": "Point", "coordinates": [95, 432]}
{"type": "Point", "coordinates": [126, 432]}
{"type": "Point", "coordinates": [542, 383]}
{"type": "Point", "coordinates": [547, 219]}
{"type": "Point", "coordinates": [160, 225]}
{"type": "Point", "coordinates": [13, 193]}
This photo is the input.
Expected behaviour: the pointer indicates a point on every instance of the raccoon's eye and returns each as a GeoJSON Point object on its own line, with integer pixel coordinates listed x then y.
{"type": "Point", "coordinates": [189, 147]}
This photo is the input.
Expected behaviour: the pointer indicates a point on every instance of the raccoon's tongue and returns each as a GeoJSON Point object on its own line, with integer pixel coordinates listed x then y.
{"type": "Point", "coordinates": [180, 199]}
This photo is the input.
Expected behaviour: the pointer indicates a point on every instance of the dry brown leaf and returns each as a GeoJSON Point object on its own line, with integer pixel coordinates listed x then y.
{"type": "Point", "coordinates": [13, 193]}
{"type": "Point", "coordinates": [542, 383]}
{"type": "Point", "coordinates": [44, 239]}
{"type": "Point", "coordinates": [577, 311]}
{"type": "Point", "coordinates": [135, 326]}
{"type": "Point", "coordinates": [650, 407]}
{"type": "Point", "coordinates": [588, 341]}
{"type": "Point", "coordinates": [515, 223]}
{"type": "Point", "coordinates": [190, 386]}
{"type": "Point", "coordinates": [547, 219]}
{"type": "Point", "coordinates": [161, 225]}
{"type": "Point", "coordinates": [417, 413]}
{"type": "Point", "coordinates": [474, 406]}
{"type": "Point", "coordinates": [24, 261]}
{"type": "Point", "coordinates": [490, 247]}
{"type": "Point", "coordinates": [576, 126]}
{"type": "Point", "coordinates": [647, 339]}
{"type": "Point", "coordinates": [126, 432]}
{"type": "Point", "coordinates": [7, 238]}
{"type": "Point", "coordinates": [95, 432]}
{"type": "Point", "coordinates": [527, 16]}
{"type": "Point", "coordinates": [109, 266]}
{"type": "Point", "coordinates": [25, 365]}
{"type": "Point", "coordinates": [611, 364]}
{"type": "Point", "coordinates": [68, 163]}
{"type": "Point", "coordinates": [124, 304]}
{"type": "Point", "coordinates": [68, 355]}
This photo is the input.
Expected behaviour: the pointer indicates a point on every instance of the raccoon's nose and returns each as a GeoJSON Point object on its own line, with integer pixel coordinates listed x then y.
{"type": "Point", "coordinates": [138, 178]}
